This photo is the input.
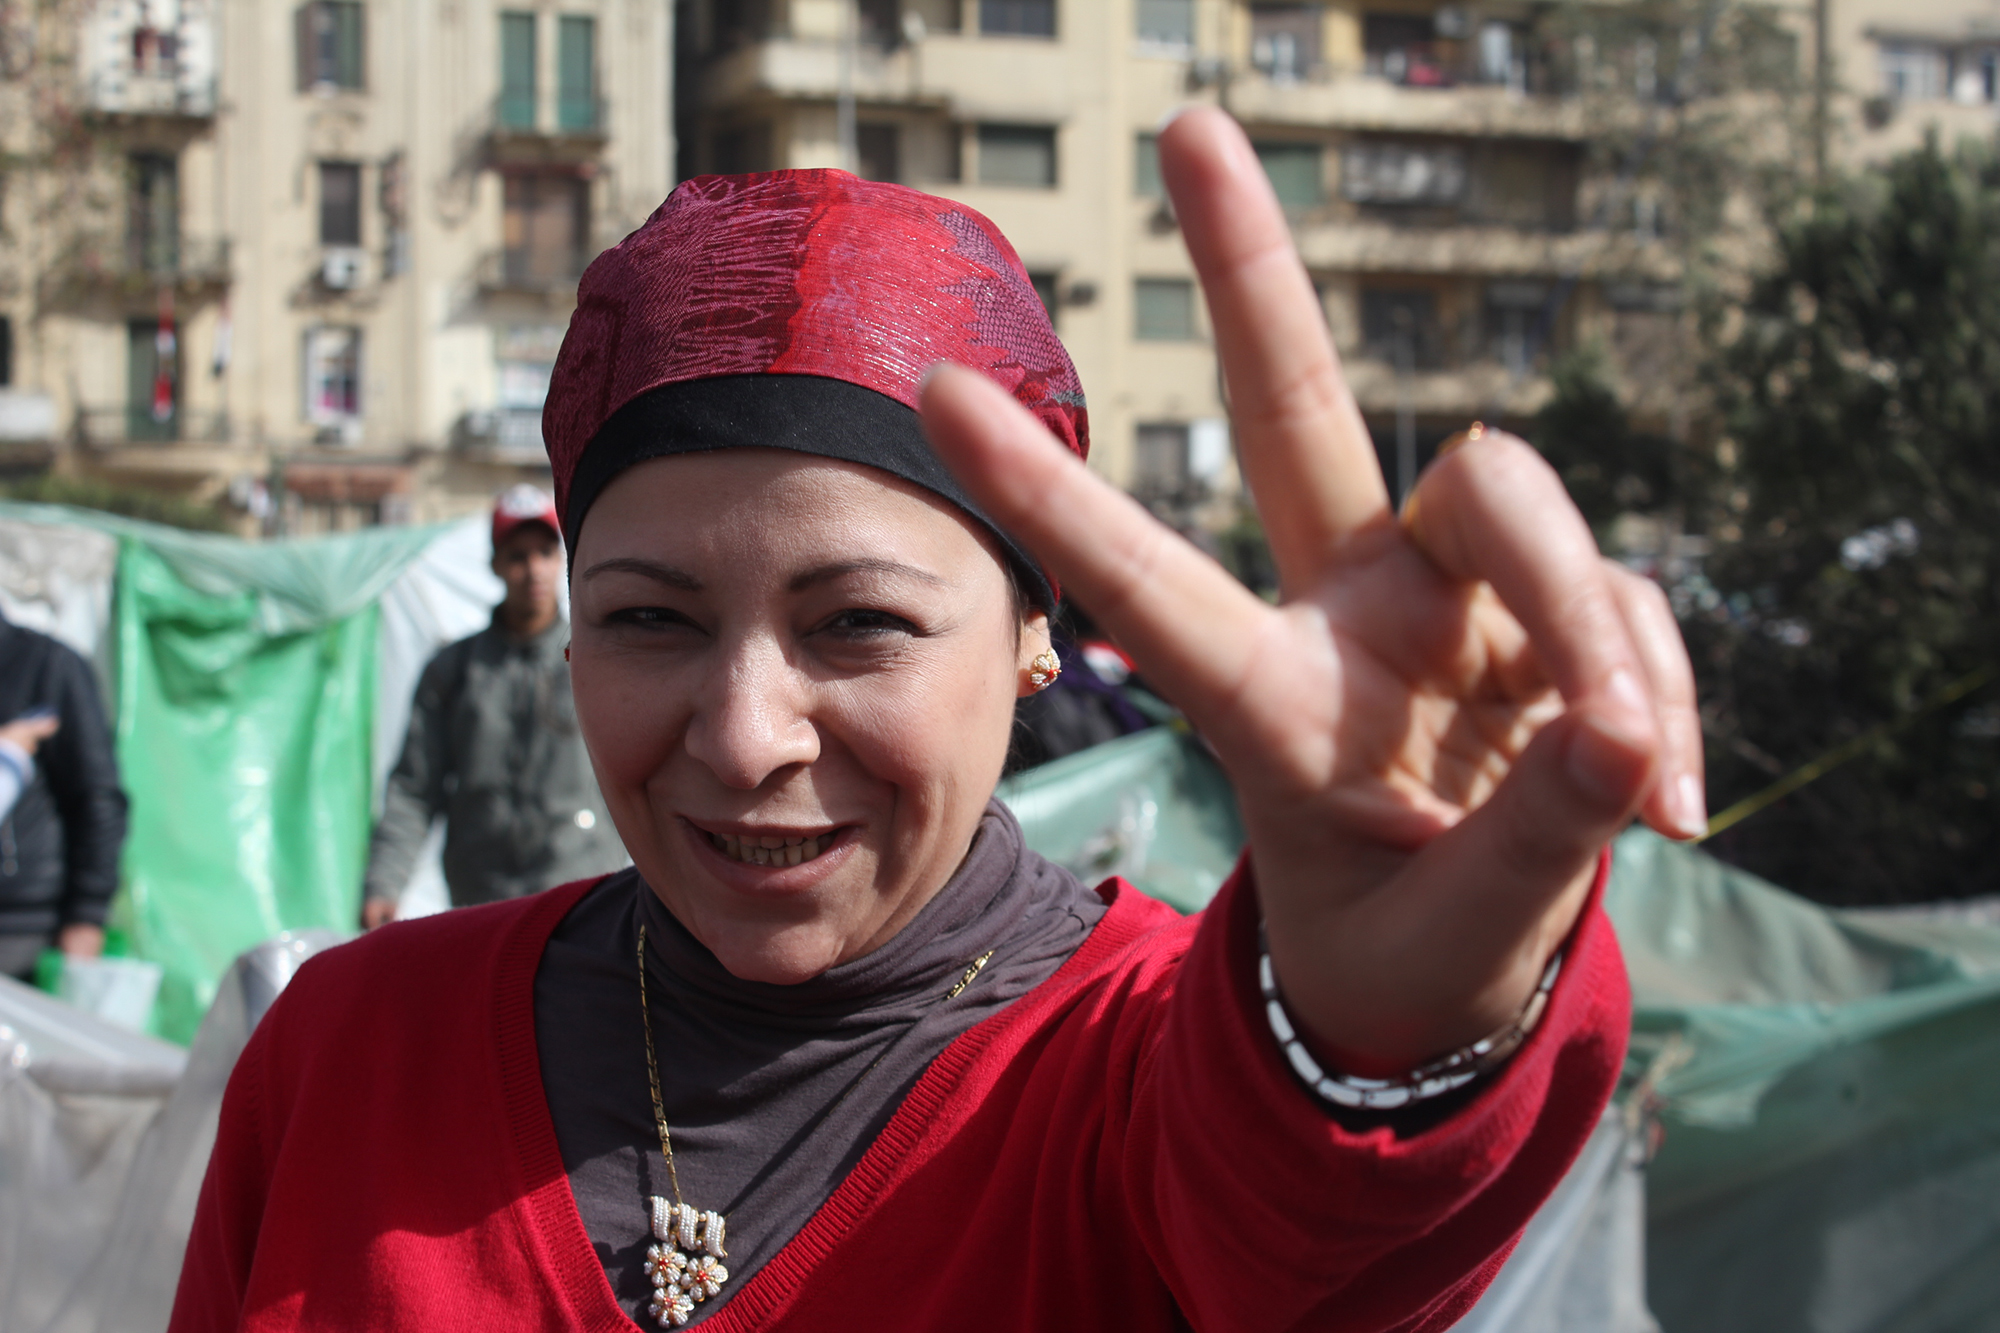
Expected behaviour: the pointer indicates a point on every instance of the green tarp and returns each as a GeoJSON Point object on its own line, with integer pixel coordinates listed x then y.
{"type": "Point", "coordinates": [243, 693]}
{"type": "Point", "coordinates": [246, 755]}
{"type": "Point", "coordinates": [1828, 1091]}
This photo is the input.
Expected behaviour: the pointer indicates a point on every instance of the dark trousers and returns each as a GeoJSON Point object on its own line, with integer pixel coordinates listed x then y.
{"type": "Point", "coordinates": [19, 952]}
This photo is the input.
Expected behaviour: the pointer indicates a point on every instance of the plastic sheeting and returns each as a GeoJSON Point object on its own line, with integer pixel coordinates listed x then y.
{"type": "Point", "coordinates": [1154, 807]}
{"type": "Point", "coordinates": [247, 696]}
{"type": "Point", "coordinates": [1829, 1090]}
{"type": "Point", "coordinates": [58, 580]}
{"type": "Point", "coordinates": [246, 751]}
{"type": "Point", "coordinates": [104, 1139]}
{"type": "Point", "coordinates": [77, 1099]}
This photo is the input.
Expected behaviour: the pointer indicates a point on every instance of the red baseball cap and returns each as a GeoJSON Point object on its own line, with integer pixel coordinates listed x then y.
{"type": "Point", "coordinates": [523, 504]}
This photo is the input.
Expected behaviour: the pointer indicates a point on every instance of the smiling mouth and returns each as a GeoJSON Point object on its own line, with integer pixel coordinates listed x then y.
{"type": "Point", "coordinates": [770, 851]}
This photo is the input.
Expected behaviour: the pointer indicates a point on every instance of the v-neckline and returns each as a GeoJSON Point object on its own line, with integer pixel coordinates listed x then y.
{"type": "Point", "coordinates": [555, 1227]}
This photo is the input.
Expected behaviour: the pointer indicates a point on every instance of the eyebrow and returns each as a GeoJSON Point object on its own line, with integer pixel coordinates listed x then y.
{"type": "Point", "coordinates": [646, 569]}
{"type": "Point", "coordinates": [679, 578]}
{"type": "Point", "coordinates": [827, 573]}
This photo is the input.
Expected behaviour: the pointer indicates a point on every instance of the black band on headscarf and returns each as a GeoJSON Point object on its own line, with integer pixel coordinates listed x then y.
{"type": "Point", "coordinates": [809, 414]}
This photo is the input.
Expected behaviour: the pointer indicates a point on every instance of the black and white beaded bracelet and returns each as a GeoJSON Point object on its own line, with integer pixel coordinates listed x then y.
{"type": "Point", "coordinates": [1446, 1074]}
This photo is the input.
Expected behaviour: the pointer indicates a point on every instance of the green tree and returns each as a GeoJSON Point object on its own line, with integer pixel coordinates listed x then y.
{"type": "Point", "coordinates": [1856, 516]}
{"type": "Point", "coordinates": [1609, 466]}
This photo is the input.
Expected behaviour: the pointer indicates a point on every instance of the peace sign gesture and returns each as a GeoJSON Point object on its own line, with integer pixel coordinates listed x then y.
{"type": "Point", "coordinates": [1445, 719]}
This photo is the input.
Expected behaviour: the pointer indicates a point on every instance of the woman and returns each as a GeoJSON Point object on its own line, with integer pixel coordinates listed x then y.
{"type": "Point", "coordinates": [839, 1052]}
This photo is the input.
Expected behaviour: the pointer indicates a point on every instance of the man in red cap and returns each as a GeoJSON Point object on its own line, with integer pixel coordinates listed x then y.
{"type": "Point", "coordinates": [493, 746]}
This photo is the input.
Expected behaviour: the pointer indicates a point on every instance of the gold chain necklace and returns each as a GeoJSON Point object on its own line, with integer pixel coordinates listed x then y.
{"type": "Point", "coordinates": [684, 1262]}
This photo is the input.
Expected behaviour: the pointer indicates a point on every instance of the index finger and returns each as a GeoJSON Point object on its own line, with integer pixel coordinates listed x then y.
{"type": "Point", "coordinates": [1301, 441]}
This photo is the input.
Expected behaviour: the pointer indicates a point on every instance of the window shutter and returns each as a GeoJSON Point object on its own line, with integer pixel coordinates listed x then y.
{"type": "Point", "coordinates": [350, 47]}
{"type": "Point", "coordinates": [305, 45]}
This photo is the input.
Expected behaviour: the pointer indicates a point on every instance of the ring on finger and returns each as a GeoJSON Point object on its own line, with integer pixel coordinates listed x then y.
{"type": "Point", "coordinates": [1408, 514]}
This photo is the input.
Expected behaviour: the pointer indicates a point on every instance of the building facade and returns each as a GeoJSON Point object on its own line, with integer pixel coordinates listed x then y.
{"type": "Point", "coordinates": [1456, 175]}
{"type": "Point", "coordinates": [314, 260]}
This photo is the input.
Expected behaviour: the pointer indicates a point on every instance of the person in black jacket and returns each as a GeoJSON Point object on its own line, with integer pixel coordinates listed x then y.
{"type": "Point", "coordinates": [59, 845]}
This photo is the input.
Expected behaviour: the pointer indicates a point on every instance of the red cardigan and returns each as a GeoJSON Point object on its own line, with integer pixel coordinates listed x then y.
{"type": "Point", "coordinates": [1122, 1148]}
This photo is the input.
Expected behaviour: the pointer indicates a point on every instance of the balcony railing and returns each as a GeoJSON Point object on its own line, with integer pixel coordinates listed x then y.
{"type": "Point", "coordinates": [106, 427]}
{"type": "Point", "coordinates": [530, 272]}
{"type": "Point", "coordinates": [138, 259]}
{"type": "Point", "coordinates": [163, 92]}
{"type": "Point", "coordinates": [571, 116]}
{"type": "Point", "coordinates": [503, 435]}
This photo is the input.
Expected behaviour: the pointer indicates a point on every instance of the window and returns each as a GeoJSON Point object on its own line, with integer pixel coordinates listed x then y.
{"type": "Point", "coordinates": [153, 222]}
{"type": "Point", "coordinates": [1514, 322]}
{"type": "Point", "coordinates": [742, 149]}
{"type": "Point", "coordinates": [1019, 18]}
{"type": "Point", "coordinates": [1167, 22]}
{"type": "Point", "coordinates": [152, 381]}
{"type": "Point", "coordinates": [6, 351]}
{"type": "Point", "coordinates": [1403, 48]}
{"type": "Point", "coordinates": [517, 71]}
{"type": "Point", "coordinates": [1146, 182]}
{"type": "Point", "coordinates": [1163, 310]}
{"type": "Point", "coordinates": [1294, 169]}
{"type": "Point", "coordinates": [1045, 290]}
{"type": "Point", "coordinates": [329, 44]}
{"type": "Point", "coordinates": [881, 21]}
{"type": "Point", "coordinates": [1284, 40]}
{"type": "Point", "coordinates": [1399, 173]}
{"type": "Point", "coordinates": [1912, 72]}
{"type": "Point", "coordinates": [576, 73]}
{"type": "Point", "coordinates": [1400, 325]}
{"type": "Point", "coordinates": [340, 203]}
{"type": "Point", "coordinates": [1017, 155]}
{"type": "Point", "coordinates": [1500, 48]}
{"type": "Point", "coordinates": [332, 375]}
{"type": "Point", "coordinates": [878, 151]}
{"type": "Point", "coordinates": [544, 223]}
{"type": "Point", "coordinates": [1160, 458]}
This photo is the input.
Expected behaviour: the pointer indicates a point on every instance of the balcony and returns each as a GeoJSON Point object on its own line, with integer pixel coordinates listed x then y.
{"type": "Point", "coordinates": [136, 264]}
{"type": "Point", "coordinates": [135, 424]}
{"type": "Point", "coordinates": [164, 94]}
{"type": "Point", "coordinates": [524, 130]}
{"type": "Point", "coordinates": [1377, 245]}
{"type": "Point", "coordinates": [529, 273]}
{"type": "Point", "coordinates": [1373, 102]}
{"type": "Point", "coordinates": [510, 435]}
{"type": "Point", "coordinates": [944, 71]}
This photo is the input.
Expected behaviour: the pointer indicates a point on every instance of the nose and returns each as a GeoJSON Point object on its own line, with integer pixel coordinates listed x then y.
{"type": "Point", "coordinates": [750, 721]}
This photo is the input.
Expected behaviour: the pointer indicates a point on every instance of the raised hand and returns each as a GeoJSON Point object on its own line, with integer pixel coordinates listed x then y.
{"type": "Point", "coordinates": [1445, 719]}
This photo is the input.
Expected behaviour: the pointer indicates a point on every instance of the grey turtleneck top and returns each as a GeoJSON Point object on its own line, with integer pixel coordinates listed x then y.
{"type": "Point", "coordinates": [773, 1093]}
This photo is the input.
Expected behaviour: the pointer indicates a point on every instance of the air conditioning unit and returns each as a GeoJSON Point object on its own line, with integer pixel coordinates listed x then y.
{"type": "Point", "coordinates": [340, 270]}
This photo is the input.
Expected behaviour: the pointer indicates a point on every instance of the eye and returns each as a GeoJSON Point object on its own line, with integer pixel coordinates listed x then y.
{"type": "Point", "coordinates": [649, 617]}
{"type": "Point", "coordinates": [861, 624]}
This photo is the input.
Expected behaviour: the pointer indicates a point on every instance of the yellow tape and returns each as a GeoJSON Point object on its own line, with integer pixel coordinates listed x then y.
{"type": "Point", "coordinates": [1841, 753]}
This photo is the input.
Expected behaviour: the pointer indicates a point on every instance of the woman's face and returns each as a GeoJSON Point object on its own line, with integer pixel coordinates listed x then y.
{"type": "Point", "coordinates": [796, 677]}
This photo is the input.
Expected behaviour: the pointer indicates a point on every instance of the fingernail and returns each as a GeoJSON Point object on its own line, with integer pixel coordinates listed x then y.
{"type": "Point", "coordinates": [1173, 114]}
{"type": "Point", "coordinates": [1606, 761]}
{"type": "Point", "coordinates": [930, 373]}
{"type": "Point", "coordinates": [1690, 806]}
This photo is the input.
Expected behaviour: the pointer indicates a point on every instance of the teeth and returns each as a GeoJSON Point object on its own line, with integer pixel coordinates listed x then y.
{"type": "Point", "coordinates": [770, 851]}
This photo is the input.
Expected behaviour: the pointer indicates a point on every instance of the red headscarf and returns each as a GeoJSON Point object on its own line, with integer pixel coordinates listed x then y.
{"type": "Point", "coordinates": [803, 273]}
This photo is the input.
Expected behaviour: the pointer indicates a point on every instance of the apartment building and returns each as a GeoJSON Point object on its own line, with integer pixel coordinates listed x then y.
{"type": "Point", "coordinates": [1438, 162]}
{"type": "Point", "coordinates": [317, 258]}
